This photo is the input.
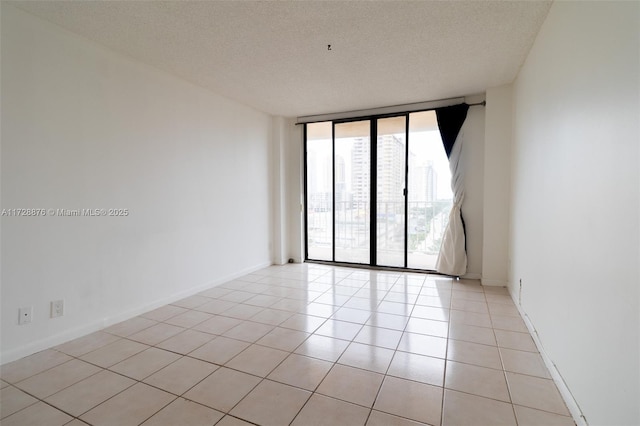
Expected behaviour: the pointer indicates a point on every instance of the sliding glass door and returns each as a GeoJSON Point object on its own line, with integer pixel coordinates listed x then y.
{"type": "Point", "coordinates": [352, 191]}
{"type": "Point", "coordinates": [319, 190]}
{"type": "Point", "coordinates": [391, 174]}
{"type": "Point", "coordinates": [376, 191]}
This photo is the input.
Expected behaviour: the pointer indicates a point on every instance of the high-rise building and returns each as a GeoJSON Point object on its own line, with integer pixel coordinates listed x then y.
{"type": "Point", "coordinates": [390, 168]}
{"type": "Point", "coordinates": [424, 182]}
{"type": "Point", "coordinates": [340, 184]}
{"type": "Point", "coordinates": [361, 172]}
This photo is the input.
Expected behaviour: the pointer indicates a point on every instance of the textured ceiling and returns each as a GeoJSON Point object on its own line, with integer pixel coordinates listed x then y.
{"type": "Point", "coordinates": [273, 56]}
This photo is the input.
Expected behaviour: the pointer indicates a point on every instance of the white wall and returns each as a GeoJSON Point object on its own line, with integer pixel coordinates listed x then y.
{"type": "Point", "coordinates": [497, 171]}
{"type": "Point", "coordinates": [287, 165]}
{"type": "Point", "coordinates": [295, 190]}
{"type": "Point", "coordinates": [575, 202]}
{"type": "Point", "coordinates": [83, 127]}
{"type": "Point", "coordinates": [278, 201]}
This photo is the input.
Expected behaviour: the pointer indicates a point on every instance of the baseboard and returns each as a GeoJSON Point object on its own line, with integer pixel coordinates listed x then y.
{"type": "Point", "coordinates": [93, 326]}
{"type": "Point", "coordinates": [180, 295]}
{"type": "Point", "coordinates": [50, 341]}
{"type": "Point", "coordinates": [565, 393]}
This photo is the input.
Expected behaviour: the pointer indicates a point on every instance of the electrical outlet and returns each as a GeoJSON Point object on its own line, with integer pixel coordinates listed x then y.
{"type": "Point", "coordinates": [25, 314]}
{"type": "Point", "coordinates": [57, 308]}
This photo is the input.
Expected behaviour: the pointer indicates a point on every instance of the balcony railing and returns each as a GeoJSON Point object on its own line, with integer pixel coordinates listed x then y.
{"type": "Point", "coordinates": [427, 221]}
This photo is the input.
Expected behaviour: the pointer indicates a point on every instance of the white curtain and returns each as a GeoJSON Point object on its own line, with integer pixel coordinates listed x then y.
{"type": "Point", "coordinates": [452, 259]}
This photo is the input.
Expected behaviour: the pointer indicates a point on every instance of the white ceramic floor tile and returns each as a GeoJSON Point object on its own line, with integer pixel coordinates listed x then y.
{"type": "Point", "coordinates": [299, 344]}
{"type": "Point", "coordinates": [523, 362]}
{"type": "Point", "coordinates": [37, 414]}
{"type": "Point", "coordinates": [464, 409]}
{"type": "Point", "coordinates": [423, 345]}
{"type": "Point", "coordinates": [535, 392]}
{"type": "Point", "coordinates": [301, 371]}
{"type": "Point", "coordinates": [220, 350]}
{"type": "Point", "coordinates": [474, 353]}
{"type": "Point", "coordinates": [322, 410]}
{"type": "Point", "coordinates": [473, 334]}
{"type": "Point", "coordinates": [217, 325]}
{"type": "Point", "coordinates": [113, 353]}
{"type": "Point", "coordinates": [378, 418]}
{"type": "Point", "coordinates": [13, 400]}
{"type": "Point", "coordinates": [92, 391]}
{"type": "Point", "coordinates": [189, 319]}
{"type": "Point", "coordinates": [223, 389]}
{"type": "Point", "coordinates": [412, 400]}
{"type": "Point", "coordinates": [477, 380]}
{"type": "Point", "coordinates": [284, 339]}
{"type": "Point", "coordinates": [351, 385]}
{"type": "Point", "coordinates": [323, 347]}
{"type": "Point", "coordinates": [367, 357]}
{"type": "Point", "coordinates": [145, 363]}
{"type": "Point", "coordinates": [31, 365]}
{"type": "Point", "coordinates": [257, 360]}
{"type": "Point", "coordinates": [181, 375]}
{"type": "Point", "coordinates": [416, 367]}
{"type": "Point", "coordinates": [184, 413]}
{"type": "Point", "coordinates": [57, 378]}
{"type": "Point", "coordinates": [186, 341]}
{"type": "Point", "coordinates": [271, 404]}
{"type": "Point", "coordinates": [248, 331]}
{"type": "Point", "coordinates": [530, 417]}
{"type": "Point", "coordinates": [129, 327]}
{"type": "Point", "coordinates": [130, 407]}
{"type": "Point", "coordinates": [339, 329]}
{"type": "Point", "coordinates": [378, 336]}
{"type": "Point", "coordinates": [164, 313]}
{"type": "Point", "coordinates": [156, 334]}
{"type": "Point", "coordinates": [515, 340]}
{"type": "Point", "coordinates": [86, 344]}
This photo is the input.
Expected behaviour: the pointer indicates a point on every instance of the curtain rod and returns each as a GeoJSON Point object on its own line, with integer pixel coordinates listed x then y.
{"type": "Point", "coordinates": [419, 106]}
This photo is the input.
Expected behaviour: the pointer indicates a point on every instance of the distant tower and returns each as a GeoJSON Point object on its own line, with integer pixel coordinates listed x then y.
{"type": "Point", "coordinates": [340, 183]}
{"type": "Point", "coordinates": [361, 172]}
{"type": "Point", "coordinates": [425, 182]}
{"type": "Point", "coordinates": [391, 158]}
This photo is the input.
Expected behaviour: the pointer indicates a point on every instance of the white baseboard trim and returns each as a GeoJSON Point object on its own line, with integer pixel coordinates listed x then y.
{"type": "Point", "coordinates": [67, 335]}
{"type": "Point", "coordinates": [565, 392]}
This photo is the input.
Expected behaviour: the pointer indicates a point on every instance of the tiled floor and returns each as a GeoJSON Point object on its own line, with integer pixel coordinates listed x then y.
{"type": "Point", "coordinates": [303, 345]}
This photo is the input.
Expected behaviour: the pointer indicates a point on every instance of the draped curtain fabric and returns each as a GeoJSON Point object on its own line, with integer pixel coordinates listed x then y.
{"type": "Point", "coordinates": [452, 258]}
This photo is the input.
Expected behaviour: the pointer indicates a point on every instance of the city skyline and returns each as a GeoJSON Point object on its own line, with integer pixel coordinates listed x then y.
{"type": "Point", "coordinates": [429, 175]}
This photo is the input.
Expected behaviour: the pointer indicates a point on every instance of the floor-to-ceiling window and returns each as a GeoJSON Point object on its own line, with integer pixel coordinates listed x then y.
{"type": "Point", "coordinates": [352, 165]}
{"type": "Point", "coordinates": [391, 153]}
{"type": "Point", "coordinates": [377, 190]}
{"type": "Point", "coordinates": [429, 196]}
{"type": "Point", "coordinates": [319, 190]}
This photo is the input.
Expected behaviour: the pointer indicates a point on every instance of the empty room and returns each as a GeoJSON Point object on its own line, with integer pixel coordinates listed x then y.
{"type": "Point", "coordinates": [320, 213]}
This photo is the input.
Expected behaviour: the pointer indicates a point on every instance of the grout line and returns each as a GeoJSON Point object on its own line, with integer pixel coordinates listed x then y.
{"type": "Point", "coordinates": [387, 288]}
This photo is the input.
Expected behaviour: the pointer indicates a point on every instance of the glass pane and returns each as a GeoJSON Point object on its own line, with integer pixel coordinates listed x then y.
{"type": "Point", "coordinates": [319, 191]}
{"type": "Point", "coordinates": [353, 186]}
{"type": "Point", "coordinates": [391, 151]}
{"type": "Point", "coordinates": [430, 196]}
